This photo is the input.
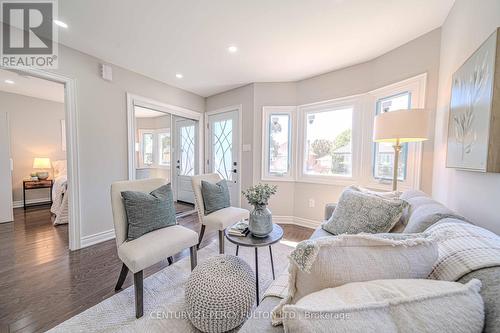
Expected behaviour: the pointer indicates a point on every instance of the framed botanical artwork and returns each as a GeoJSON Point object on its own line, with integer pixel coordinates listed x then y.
{"type": "Point", "coordinates": [474, 123]}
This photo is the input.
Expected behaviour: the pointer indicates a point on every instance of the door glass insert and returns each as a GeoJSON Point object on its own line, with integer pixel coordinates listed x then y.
{"type": "Point", "coordinates": [223, 148]}
{"type": "Point", "coordinates": [187, 152]}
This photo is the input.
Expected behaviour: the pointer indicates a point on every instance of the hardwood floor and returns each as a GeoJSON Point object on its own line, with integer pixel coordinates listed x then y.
{"type": "Point", "coordinates": [43, 284]}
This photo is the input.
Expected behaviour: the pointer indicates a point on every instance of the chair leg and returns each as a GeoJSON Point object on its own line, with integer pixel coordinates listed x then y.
{"type": "Point", "coordinates": [202, 232]}
{"type": "Point", "coordinates": [170, 260]}
{"type": "Point", "coordinates": [121, 278]}
{"type": "Point", "coordinates": [193, 254]}
{"type": "Point", "coordinates": [139, 292]}
{"type": "Point", "coordinates": [221, 241]}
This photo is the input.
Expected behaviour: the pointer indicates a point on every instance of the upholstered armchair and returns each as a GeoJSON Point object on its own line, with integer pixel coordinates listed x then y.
{"type": "Point", "coordinates": [150, 248]}
{"type": "Point", "coordinates": [220, 219]}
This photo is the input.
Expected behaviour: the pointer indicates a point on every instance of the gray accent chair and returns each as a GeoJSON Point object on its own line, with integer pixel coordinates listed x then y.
{"type": "Point", "coordinates": [220, 219]}
{"type": "Point", "coordinates": [150, 248]}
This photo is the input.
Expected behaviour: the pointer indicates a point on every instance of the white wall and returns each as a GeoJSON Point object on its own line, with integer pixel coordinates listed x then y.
{"type": "Point", "coordinates": [35, 131]}
{"type": "Point", "coordinates": [474, 195]}
{"type": "Point", "coordinates": [416, 57]}
{"type": "Point", "coordinates": [102, 128]}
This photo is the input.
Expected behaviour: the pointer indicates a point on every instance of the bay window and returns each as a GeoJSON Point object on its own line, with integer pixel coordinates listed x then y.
{"type": "Point", "coordinates": [334, 140]}
{"type": "Point", "coordinates": [278, 136]}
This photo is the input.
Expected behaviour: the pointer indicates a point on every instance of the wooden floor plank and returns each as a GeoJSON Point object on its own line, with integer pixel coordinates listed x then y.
{"type": "Point", "coordinates": [43, 284]}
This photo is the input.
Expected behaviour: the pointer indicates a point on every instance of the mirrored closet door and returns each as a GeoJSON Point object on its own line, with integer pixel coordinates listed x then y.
{"type": "Point", "coordinates": [166, 146]}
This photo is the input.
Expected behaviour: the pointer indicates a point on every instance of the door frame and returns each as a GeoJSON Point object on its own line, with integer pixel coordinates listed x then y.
{"type": "Point", "coordinates": [72, 153]}
{"type": "Point", "coordinates": [238, 108]}
{"type": "Point", "coordinates": [174, 133]}
{"type": "Point", "coordinates": [9, 148]}
{"type": "Point", "coordinates": [136, 100]}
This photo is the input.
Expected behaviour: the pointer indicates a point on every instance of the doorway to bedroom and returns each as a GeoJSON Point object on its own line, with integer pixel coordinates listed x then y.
{"type": "Point", "coordinates": [34, 203]}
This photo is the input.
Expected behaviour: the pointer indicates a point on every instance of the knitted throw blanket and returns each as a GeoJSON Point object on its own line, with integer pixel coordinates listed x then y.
{"type": "Point", "coordinates": [463, 248]}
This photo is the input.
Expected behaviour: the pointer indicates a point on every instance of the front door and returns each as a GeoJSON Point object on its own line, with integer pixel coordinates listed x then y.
{"type": "Point", "coordinates": [223, 150]}
{"type": "Point", "coordinates": [185, 158]}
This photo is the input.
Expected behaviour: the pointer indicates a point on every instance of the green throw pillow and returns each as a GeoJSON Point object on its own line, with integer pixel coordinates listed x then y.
{"type": "Point", "coordinates": [358, 212]}
{"type": "Point", "coordinates": [215, 196]}
{"type": "Point", "coordinates": [148, 211]}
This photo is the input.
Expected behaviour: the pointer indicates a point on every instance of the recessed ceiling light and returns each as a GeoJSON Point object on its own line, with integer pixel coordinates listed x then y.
{"type": "Point", "coordinates": [179, 75]}
{"type": "Point", "coordinates": [232, 49]}
{"type": "Point", "coordinates": [61, 24]}
{"type": "Point", "coordinates": [9, 81]}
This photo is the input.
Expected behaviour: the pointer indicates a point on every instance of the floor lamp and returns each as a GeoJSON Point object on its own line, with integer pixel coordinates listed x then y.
{"type": "Point", "coordinates": [398, 127]}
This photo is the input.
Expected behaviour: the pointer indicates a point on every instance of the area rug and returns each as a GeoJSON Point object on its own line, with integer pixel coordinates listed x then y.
{"type": "Point", "coordinates": [164, 307]}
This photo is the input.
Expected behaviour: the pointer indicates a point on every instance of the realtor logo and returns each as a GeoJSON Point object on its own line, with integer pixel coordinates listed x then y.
{"type": "Point", "coordinates": [29, 36]}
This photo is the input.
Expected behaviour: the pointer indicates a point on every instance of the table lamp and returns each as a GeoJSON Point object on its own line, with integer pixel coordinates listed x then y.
{"type": "Point", "coordinates": [44, 164]}
{"type": "Point", "coordinates": [398, 127]}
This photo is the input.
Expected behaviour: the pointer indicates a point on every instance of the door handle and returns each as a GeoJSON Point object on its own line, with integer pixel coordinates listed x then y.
{"type": "Point", "coordinates": [235, 171]}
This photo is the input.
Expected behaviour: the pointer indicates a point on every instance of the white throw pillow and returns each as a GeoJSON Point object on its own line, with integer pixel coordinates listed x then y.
{"type": "Point", "coordinates": [389, 306]}
{"type": "Point", "coordinates": [333, 261]}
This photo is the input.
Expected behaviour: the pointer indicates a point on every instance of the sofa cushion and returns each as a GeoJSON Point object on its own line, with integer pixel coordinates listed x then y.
{"type": "Point", "coordinates": [389, 306]}
{"type": "Point", "coordinates": [333, 261]}
{"type": "Point", "coordinates": [426, 215]}
{"type": "Point", "coordinates": [363, 212]}
{"type": "Point", "coordinates": [148, 211]}
{"type": "Point", "coordinates": [490, 292]}
{"type": "Point", "coordinates": [412, 194]}
{"type": "Point", "coordinates": [215, 196]}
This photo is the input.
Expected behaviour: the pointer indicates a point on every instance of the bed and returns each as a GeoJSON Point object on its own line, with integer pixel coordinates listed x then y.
{"type": "Point", "coordinates": [59, 207]}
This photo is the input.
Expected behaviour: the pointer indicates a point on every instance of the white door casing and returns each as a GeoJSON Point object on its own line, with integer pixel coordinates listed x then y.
{"type": "Point", "coordinates": [223, 148]}
{"type": "Point", "coordinates": [6, 209]}
{"type": "Point", "coordinates": [185, 158]}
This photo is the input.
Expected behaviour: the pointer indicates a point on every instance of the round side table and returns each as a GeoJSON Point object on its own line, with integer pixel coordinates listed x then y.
{"type": "Point", "coordinates": [250, 241]}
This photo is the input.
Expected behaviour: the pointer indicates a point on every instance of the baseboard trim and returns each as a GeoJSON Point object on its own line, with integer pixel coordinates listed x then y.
{"type": "Point", "coordinates": [20, 203]}
{"type": "Point", "coordinates": [97, 238]}
{"type": "Point", "coordinates": [299, 221]}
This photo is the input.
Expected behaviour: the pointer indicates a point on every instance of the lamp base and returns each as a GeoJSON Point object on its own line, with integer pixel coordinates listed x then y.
{"type": "Point", "coordinates": [42, 175]}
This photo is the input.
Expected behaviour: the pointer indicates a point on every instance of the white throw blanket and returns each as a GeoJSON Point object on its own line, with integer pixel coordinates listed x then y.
{"type": "Point", "coordinates": [463, 248]}
{"type": "Point", "coordinates": [60, 200]}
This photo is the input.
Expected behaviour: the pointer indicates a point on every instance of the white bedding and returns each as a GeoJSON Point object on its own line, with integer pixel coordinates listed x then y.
{"type": "Point", "coordinates": [60, 200]}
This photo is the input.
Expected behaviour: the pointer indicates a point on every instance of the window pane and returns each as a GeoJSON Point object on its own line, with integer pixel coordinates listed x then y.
{"type": "Point", "coordinates": [279, 144]}
{"type": "Point", "coordinates": [164, 148]}
{"type": "Point", "coordinates": [187, 150]}
{"type": "Point", "coordinates": [223, 148]}
{"type": "Point", "coordinates": [147, 148]}
{"type": "Point", "coordinates": [383, 160]}
{"type": "Point", "coordinates": [329, 143]}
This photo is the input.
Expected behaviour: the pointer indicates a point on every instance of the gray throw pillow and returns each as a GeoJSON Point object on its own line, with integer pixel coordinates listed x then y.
{"type": "Point", "coordinates": [215, 196]}
{"type": "Point", "coordinates": [358, 212]}
{"type": "Point", "coordinates": [148, 211]}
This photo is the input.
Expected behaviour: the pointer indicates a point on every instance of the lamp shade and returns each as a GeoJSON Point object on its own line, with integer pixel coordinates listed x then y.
{"type": "Point", "coordinates": [41, 163]}
{"type": "Point", "coordinates": [402, 126]}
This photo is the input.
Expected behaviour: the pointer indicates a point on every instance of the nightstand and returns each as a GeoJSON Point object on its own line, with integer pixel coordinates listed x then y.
{"type": "Point", "coordinates": [36, 184]}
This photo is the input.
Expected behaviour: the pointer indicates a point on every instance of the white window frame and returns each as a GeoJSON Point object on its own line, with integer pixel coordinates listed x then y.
{"type": "Point", "coordinates": [156, 148]}
{"type": "Point", "coordinates": [303, 110]}
{"type": "Point", "coordinates": [141, 132]}
{"type": "Point", "coordinates": [364, 111]}
{"type": "Point", "coordinates": [267, 111]}
{"type": "Point", "coordinates": [416, 86]}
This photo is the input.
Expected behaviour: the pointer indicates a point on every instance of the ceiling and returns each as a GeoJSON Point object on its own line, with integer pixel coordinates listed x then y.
{"type": "Point", "coordinates": [31, 86]}
{"type": "Point", "coordinates": [279, 40]}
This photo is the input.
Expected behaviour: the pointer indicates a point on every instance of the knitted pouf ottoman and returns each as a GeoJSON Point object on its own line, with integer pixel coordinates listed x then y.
{"type": "Point", "coordinates": [220, 293]}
